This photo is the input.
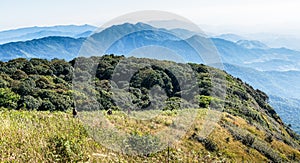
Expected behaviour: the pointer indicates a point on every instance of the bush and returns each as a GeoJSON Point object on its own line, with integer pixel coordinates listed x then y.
{"type": "Point", "coordinates": [269, 138]}
{"type": "Point", "coordinates": [172, 103]}
{"type": "Point", "coordinates": [210, 145]}
{"type": "Point", "coordinates": [207, 143]}
{"type": "Point", "coordinates": [204, 101]}
{"type": "Point", "coordinates": [248, 140]}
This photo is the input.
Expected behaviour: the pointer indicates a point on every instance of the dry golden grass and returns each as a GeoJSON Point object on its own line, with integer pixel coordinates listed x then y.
{"type": "Point", "coordinates": [57, 137]}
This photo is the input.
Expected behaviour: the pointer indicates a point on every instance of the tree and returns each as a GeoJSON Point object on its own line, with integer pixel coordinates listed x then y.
{"type": "Point", "coordinates": [25, 87]}
{"type": "Point", "coordinates": [8, 99]}
{"type": "Point", "coordinates": [29, 102]}
{"type": "Point", "coordinates": [19, 74]}
{"type": "Point", "coordinates": [46, 105]}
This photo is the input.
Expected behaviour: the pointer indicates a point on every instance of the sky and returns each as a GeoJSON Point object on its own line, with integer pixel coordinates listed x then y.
{"type": "Point", "coordinates": [217, 16]}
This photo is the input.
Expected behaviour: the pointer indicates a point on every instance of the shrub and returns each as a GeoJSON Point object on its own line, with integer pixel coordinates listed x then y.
{"type": "Point", "coordinates": [172, 103]}
{"type": "Point", "coordinates": [248, 140]}
{"type": "Point", "coordinates": [207, 143]}
{"type": "Point", "coordinates": [204, 101]}
{"type": "Point", "coordinates": [269, 138]}
{"type": "Point", "coordinates": [227, 139]}
{"type": "Point", "coordinates": [210, 145]}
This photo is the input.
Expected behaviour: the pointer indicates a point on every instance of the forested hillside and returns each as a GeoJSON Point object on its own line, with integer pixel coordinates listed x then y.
{"type": "Point", "coordinates": [249, 128]}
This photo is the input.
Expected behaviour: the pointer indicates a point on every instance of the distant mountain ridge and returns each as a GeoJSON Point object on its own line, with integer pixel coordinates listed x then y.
{"type": "Point", "coordinates": [230, 37]}
{"type": "Point", "coordinates": [252, 44]}
{"type": "Point", "coordinates": [244, 53]}
{"type": "Point", "coordinates": [30, 33]}
{"type": "Point", "coordinates": [46, 48]}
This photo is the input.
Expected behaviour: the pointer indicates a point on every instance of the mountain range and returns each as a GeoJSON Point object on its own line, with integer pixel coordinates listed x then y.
{"type": "Point", "coordinates": [48, 48]}
{"type": "Point", "coordinates": [273, 70]}
{"type": "Point", "coordinates": [30, 33]}
{"type": "Point", "coordinates": [246, 53]}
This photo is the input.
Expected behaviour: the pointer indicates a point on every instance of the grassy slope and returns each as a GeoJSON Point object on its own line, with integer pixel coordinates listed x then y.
{"type": "Point", "coordinates": [44, 136]}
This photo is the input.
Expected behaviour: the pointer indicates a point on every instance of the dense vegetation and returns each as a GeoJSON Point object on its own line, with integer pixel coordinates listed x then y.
{"type": "Point", "coordinates": [249, 128]}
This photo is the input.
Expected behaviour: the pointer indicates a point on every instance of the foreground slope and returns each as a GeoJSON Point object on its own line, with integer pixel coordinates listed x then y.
{"type": "Point", "coordinates": [43, 136]}
{"type": "Point", "coordinates": [248, 130]}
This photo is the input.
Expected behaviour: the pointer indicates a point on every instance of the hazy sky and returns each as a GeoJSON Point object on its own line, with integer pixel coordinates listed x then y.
{"type": "Point", "coordinates": [239, 16]}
